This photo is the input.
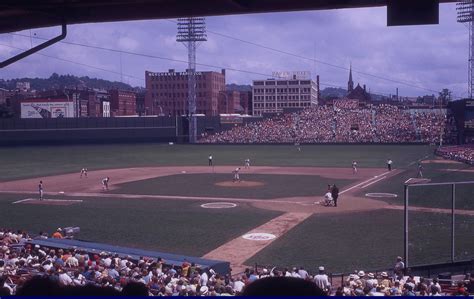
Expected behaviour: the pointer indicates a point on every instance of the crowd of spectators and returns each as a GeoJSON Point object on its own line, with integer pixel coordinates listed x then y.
{"type": "Point", "coordinates": [344, 122]}
{"type": "Point", "coordinates": [461, 153]}
{"type": "Point", "coordinates": [27, 269]}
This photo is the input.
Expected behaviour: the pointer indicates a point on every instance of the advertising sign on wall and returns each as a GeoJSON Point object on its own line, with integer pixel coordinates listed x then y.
{"type": "Point", "coordinates": [47, 110]}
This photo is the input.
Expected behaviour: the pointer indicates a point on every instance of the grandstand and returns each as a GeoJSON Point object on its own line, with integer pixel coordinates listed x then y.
{"type": "Point", "coordinates": [343, 122]}
{"type": "Point", "coordinates": [27, 262]}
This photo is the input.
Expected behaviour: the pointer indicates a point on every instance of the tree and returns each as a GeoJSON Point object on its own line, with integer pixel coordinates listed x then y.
{"type": "Point", "coordinates": [5, 111]}
{"type": "Point", "coordinates": [445, 95]}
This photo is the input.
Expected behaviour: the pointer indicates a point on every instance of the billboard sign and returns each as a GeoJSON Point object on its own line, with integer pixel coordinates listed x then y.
{"type": "Point", "coordinates": [298, 75]}
{"type": "Point", "coordinates": [47, 109]}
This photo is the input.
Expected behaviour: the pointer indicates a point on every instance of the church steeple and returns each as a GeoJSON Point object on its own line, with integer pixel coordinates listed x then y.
{"type": "Point", "coordinates": [350, 84]}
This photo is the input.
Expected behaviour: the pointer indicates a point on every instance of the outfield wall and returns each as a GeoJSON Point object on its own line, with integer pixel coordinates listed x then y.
{"type": "Point", "coordinates": [90, 130]}
{"type": "Point", "coordinates": [40, 131]}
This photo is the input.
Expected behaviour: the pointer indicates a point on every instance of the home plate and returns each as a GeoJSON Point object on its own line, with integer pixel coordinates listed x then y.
{"type": "Point", "coordinates": [47, 201]}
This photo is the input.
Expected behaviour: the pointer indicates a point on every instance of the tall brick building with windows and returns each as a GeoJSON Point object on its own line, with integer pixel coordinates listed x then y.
{"type": "Point", "coordinates": [167, 92]}
{"type": "Point", "coordinates": [122, 102]}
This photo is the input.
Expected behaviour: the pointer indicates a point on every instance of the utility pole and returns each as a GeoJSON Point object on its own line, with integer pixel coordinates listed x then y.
{"type": "Point", "coordinates": [191, 31]}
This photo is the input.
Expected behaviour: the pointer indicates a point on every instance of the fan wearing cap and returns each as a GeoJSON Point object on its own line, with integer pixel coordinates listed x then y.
{"type": "Point", "coordinates": [385, 280]}
{"type": "Point", "coordinates": [322, 280]}
{"type": "Point", "coordinates": [399, 268]}
{"type": "Point", "coordinates": [362, 278]}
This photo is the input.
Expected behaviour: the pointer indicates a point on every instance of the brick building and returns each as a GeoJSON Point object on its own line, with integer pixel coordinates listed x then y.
{"type": "Point", "coordinates": [122, 102]}
{"type": "Point", "coordinates": [229, 102]}
{"type": "Point", "coordinates": [272, 95]}
{"type": "Point", "coordinates": [246, 102]}
{"type": "Point", "coordinates": [141, 103]}
{"type": "Point", "coordinates": [167, 92]}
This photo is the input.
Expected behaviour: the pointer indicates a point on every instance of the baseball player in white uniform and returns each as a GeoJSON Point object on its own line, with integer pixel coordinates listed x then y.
{"type": "Point", "coordinates": [247, 163]}
{"type": "Point", "coordinates": [354, 167]}
{"type": "Point", "coordinates": [236, 175]}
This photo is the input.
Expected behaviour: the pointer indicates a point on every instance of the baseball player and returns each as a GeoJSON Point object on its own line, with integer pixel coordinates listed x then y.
{"type": "Point", "coordinates": [40, 190]}
{"type": "Point", "coordinates": [210, 160]}
{"type": "Point", "coordinates": [328, 200]}
{"type": "Point", "coordinates": [420, 170]}
{"type": "Point", "coordinates": [354, 167]}
{"type": "Point", "coordinates": [236, 175]}
{"type": "Point", "coordinates": [335, 194]}
{"type": "Point", "coordinates": [83, 172]}
{"type": "Point", "coordinates": [389, 164]}
{"type": "Point", "coordinates": [247, 163]}
{"type": "Point", "coordinates": [105, 184]}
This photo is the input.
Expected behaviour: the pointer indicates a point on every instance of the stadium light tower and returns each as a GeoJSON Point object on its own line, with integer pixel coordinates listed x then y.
{"type": "Point", "coordinates": [191, 31]}
{"type": "Point", "coordinates": [465, 9]}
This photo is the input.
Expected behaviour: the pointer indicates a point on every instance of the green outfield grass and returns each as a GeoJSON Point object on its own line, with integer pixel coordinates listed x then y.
{"type": "Point", "coordinates": [276, 186]}
{"type": "Point", "coordinates": [180, 227]}
{"type": "Point", "coordinates": [34, 161]}
{"type": "Point", "coordinates": [367, 240]}
{"type": "Point", "coordinates": [430, 196]}
{"type": "Point", "coordinates": [344, 242]}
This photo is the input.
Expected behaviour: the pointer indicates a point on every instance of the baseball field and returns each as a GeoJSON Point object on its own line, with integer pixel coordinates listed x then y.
{"type": "Point", "coordinates": [166, 197]}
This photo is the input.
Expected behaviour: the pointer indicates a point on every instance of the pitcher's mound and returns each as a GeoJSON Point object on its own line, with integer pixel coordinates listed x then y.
{"type": "Point", "coordinates": [241, 184]}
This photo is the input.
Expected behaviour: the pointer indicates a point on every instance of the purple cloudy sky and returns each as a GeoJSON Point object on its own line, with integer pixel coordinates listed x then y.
{"type": "Point", "coordinates": [431, 57]}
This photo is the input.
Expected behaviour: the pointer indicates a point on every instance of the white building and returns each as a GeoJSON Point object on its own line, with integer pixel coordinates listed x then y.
{"type": "Point", "coordinates": [272, 95]}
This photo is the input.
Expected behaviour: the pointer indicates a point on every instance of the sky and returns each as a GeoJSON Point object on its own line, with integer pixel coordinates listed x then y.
{"type": "Point", "coordinates": [417, 60]}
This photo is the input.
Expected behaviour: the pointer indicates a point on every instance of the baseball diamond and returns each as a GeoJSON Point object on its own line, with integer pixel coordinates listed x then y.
{"type": "Point", "coordinates": [281, 198]}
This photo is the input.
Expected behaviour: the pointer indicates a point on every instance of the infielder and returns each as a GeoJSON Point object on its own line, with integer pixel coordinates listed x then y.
{"type": "Point", "coordinates": [354, 167]}
{"type": "Point", "coordinates": [236, 175]}
{"type": "Point", "coordinates": [105, 184]}
{"type": "Point", "coordinates": [83, 172]}
{"type": "Point", "coordinates": [247, 163]}
{"type": "Point", "coordinates": [40, 190]}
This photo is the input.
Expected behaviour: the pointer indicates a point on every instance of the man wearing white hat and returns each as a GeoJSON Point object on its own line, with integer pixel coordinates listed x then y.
{"type": "Point", "coordinates": [322, 280]}
{"type": "Point", "coordinates": [362, 278]}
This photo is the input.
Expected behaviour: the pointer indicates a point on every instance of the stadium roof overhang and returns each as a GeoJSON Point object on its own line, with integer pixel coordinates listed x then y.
{"type": "Point", "coordinates": [27, 14]}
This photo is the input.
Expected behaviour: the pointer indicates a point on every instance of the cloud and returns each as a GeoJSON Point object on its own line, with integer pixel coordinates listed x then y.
{"type": "Point", "coordinates": [433, 56]}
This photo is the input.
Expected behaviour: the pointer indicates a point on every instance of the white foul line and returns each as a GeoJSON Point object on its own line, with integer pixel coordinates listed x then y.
{"type": "Point", "coordinates": [364, 182]}
{"type": "Point", "coordinates": [373, 182]}
{"type": "Point", "coordinates": [19, 201]}
{"type": "Point", "coordinates": [47, 200]}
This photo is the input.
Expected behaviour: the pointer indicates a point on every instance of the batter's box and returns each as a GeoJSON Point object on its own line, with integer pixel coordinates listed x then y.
{"type": "Point", "coordinates": [48, 202]}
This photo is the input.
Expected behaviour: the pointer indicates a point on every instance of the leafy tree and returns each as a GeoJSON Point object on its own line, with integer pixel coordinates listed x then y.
{"type": "Point", "coordinates": [445, 95]}
{"type": "Point", "coordinates": [5, 111]}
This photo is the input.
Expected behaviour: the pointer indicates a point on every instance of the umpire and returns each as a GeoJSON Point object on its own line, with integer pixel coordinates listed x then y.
{"type": "Point", "coordinates": [335, 194]}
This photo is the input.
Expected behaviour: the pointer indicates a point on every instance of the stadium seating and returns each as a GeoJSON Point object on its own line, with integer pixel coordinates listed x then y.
{"type": "Point", "coordinates": [344, 122]}
{"type": "Point", "coordinates": [27, 268]}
